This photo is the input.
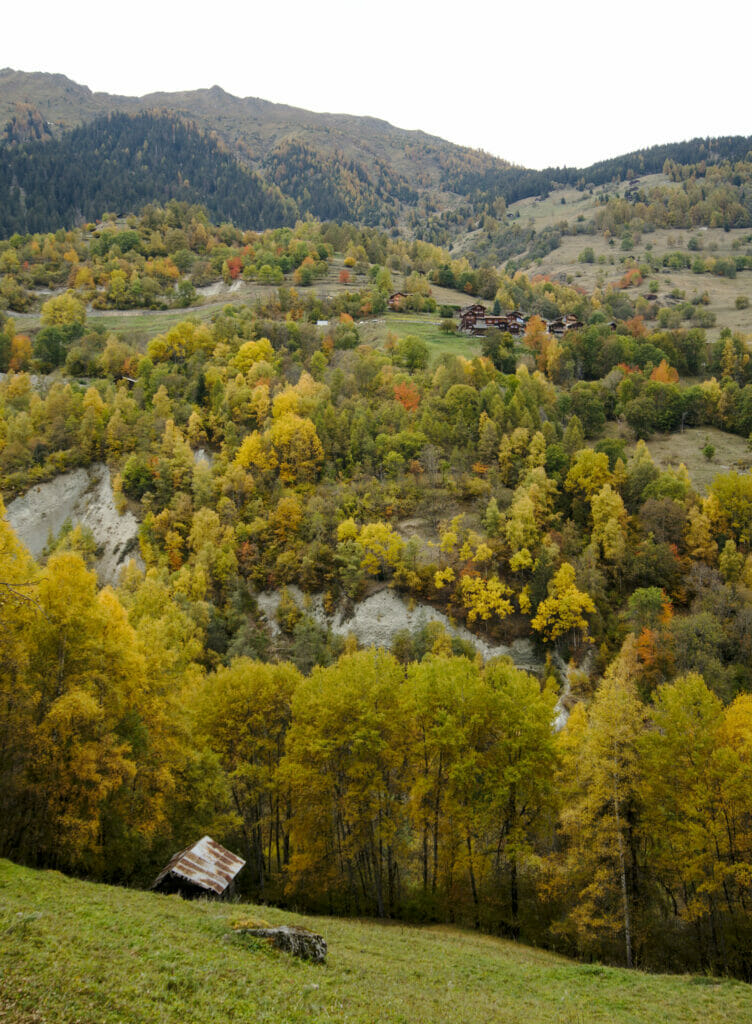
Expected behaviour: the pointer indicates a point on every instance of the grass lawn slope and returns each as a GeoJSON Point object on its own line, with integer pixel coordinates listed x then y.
{"type": "Point", "coordinates": [73, 951]}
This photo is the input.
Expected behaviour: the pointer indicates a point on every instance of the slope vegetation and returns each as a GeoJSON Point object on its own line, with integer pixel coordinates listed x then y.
{"type": "Point", "coordinates": [124, 161]}
{"type": "Point", "coordinates": [339, 165]}
{"type": "Point", "coordinates": [75, 951]}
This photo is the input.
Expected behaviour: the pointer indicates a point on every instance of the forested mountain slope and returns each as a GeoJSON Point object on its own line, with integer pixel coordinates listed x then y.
{"type": "Point", "coordinates": [252, 126]}
{"type": "Point", "coordinates": [335, 165]}
{"type": "Point", "coordinates": [122, 162]}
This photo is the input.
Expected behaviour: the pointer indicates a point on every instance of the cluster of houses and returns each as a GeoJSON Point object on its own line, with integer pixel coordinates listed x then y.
{"type": "Point", "coordinates": [475, 320]}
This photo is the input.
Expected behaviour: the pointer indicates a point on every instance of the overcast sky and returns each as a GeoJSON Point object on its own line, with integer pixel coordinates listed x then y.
{"type": "Point", "coordinates": [539, 84]}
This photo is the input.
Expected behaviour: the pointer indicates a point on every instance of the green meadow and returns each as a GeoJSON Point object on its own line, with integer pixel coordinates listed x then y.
{"type": "Point", "coordinates": [74, 952]}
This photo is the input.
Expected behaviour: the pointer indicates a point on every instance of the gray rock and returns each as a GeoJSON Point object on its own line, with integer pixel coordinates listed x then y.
{"type": "Point", "coordinates": [377, 618]}
{"type": "Point", "coordinates": [292, 939]}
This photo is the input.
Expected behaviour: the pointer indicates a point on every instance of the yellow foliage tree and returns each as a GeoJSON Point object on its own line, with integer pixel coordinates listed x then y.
{"type": "Point", "coordinates": [345, 766]}
{"type": "Point", "coordinates": [243, 713]}
{"type": "Point", "coordinates": [588, 473]}
{"type": "Point", "coordinates": [252, 352]}
{"type": "Point", "coordinates": [563, 611]}
{"type": "Point", "coordinates": [483, 599]}
{"type": "Point", "coordinates": [382, 547]}
{"type": "Point", "coordinates": [601, 784]}
{"type": "Point", "coordinates": [297, 448]}
{"type": "Point", "coordinates": [609, 524]}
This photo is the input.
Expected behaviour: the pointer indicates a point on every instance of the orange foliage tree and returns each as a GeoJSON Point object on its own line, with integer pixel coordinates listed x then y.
{"type": "Point", "coordinates": [407, 395]}
{"type": "Point", "coordinates": [664, 373]}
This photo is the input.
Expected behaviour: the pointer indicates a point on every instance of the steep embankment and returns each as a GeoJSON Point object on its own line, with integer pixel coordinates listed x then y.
{"type": "Point", "coordinates": [377, 619]}
{"type": "Point", "coordinates": [84, 497]}
{"type": "Point", "coordinates": [74, 951]}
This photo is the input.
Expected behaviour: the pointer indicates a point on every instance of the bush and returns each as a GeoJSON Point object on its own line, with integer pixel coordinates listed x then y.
{"type": "Point", "coordinates": [137, 477]}
{"type": "Point", "coordinates": [703, 318]}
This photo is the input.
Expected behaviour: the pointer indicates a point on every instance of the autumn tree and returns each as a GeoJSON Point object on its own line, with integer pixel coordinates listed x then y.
{"type": "Point", "coordinates": [243, 714]}
{"type": "Point", "coordinates": [565, 609]}
{"type": "Point", "coordinates": [695, 759]}
{"type": "Point", "coordinates": [345, 768]}
{"type": "Point", "coordinates": [601, 799]}
{"type": "Point", "coordinates": [484, 598]}
{"type": "Point", "coordinates": [440, 698]}
{"type": "Point", "coordinates": [521, 788]}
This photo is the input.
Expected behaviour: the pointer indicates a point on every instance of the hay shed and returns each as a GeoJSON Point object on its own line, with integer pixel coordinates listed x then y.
{"type": "Point", "coordinates": [204, 869]}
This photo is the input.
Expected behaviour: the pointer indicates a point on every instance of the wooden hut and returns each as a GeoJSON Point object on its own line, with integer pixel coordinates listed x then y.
{"type": "Point", "coordinates": [204, 869]}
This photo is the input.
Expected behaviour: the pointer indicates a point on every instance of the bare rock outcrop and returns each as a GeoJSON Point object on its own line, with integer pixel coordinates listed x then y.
{"type": "Point", "coordinates": [292, 939]}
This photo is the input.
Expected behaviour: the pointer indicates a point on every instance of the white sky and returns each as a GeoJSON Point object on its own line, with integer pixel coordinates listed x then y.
{"type": "Point", "coordinates": [540, 84]}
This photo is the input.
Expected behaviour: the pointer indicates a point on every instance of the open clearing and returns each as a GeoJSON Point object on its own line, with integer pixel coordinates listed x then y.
{"type": "Point", "coordinates": [74, 951]}
{"type": "Point", "coordinates": [424, 326]}
{"type": "Point", "coordinates": [731, 453]}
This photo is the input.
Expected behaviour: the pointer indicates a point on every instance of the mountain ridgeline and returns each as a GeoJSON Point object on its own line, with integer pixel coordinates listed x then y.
{"type": "Point", "coordinates": [67, 155]}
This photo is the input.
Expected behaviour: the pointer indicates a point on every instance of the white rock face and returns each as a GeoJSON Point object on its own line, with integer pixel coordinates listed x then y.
{"type": "Point", "coordinates": [85, 497]}
{"type": "Point", "coordinates": [377, 619]}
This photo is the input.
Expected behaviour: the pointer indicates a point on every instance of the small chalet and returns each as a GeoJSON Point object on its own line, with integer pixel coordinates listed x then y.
{"type": "Point", "coordinates": [515, 322]}
{"type": "Point", "coordinates": [475, 321]}
{"type": "Point", "coordinates": [204, 869]}
{"type": "Point", "coordinates": [469, 317]}
{"type": "Point", "coordinates": [568, 322]}
{"type": "Point", "coordinates": [395, 301]}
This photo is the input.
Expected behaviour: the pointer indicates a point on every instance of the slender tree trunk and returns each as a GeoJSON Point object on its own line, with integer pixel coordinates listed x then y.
{"type": "Point", "coordinates": [473, 887]}
{"type": "Point", "coordinates": [514, 896]}
{"type": "Point", "coordinates": [623, 874]}
{"type": "Point", "coordinates": [436, 810]}
{"type": "Point", "coordinates": [379, 868]}
{"type": "Point", "coordinates": [425, 855]}
{"type": "Point", "coordinates": [276, 834]}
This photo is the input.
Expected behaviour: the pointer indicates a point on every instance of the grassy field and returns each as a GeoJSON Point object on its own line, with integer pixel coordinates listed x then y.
{"type": "Point", "coordinates": [73, 952]}
{"type": "Point", "coordinates": [731, 453]}
{"type": "Point", "coordinates": [669, 451]}
{"type": "Point", "coordinates": [423, 326]}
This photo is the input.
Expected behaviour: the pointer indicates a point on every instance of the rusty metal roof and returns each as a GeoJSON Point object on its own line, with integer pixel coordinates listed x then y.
{"type": "Point", "coordinates": [206, 864]}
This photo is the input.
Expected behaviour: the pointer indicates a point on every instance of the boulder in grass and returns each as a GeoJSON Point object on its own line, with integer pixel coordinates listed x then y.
{"type": "Point", "coordinates": [292, 939]}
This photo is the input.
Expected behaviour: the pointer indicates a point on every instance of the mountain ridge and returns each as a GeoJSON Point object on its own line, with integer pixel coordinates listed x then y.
{"type": "Point", "coordinates": [71, 103]}
{"type": "Point", "coordinates": [330, 166]}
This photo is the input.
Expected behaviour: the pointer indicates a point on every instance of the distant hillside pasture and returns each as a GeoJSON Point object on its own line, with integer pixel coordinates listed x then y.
{"type": "Point", "coordinates": [610, 260]}
{"type": "Point", "coordinates": [74, 951]}
{"type": "Point", "coordinates": [425, 327]}
{"type": "Point", "coordinates": [731, 453]}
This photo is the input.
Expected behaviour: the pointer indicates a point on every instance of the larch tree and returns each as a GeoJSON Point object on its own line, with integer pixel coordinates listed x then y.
{"type": "Point", "coordinates": [563, 612]}
{"type": "Point", "coordinates": [346, 767]}
{"type": "Point", "coordinates": [243, 713]}
{"type": "Point", "coordinates": [601, 795]}
{"type": "Point", "coordinates": [440, 696]}
{"type": "Point", "coordinates": [696, 794]}
{"type": "Point", "coordinates": [522, 768]}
